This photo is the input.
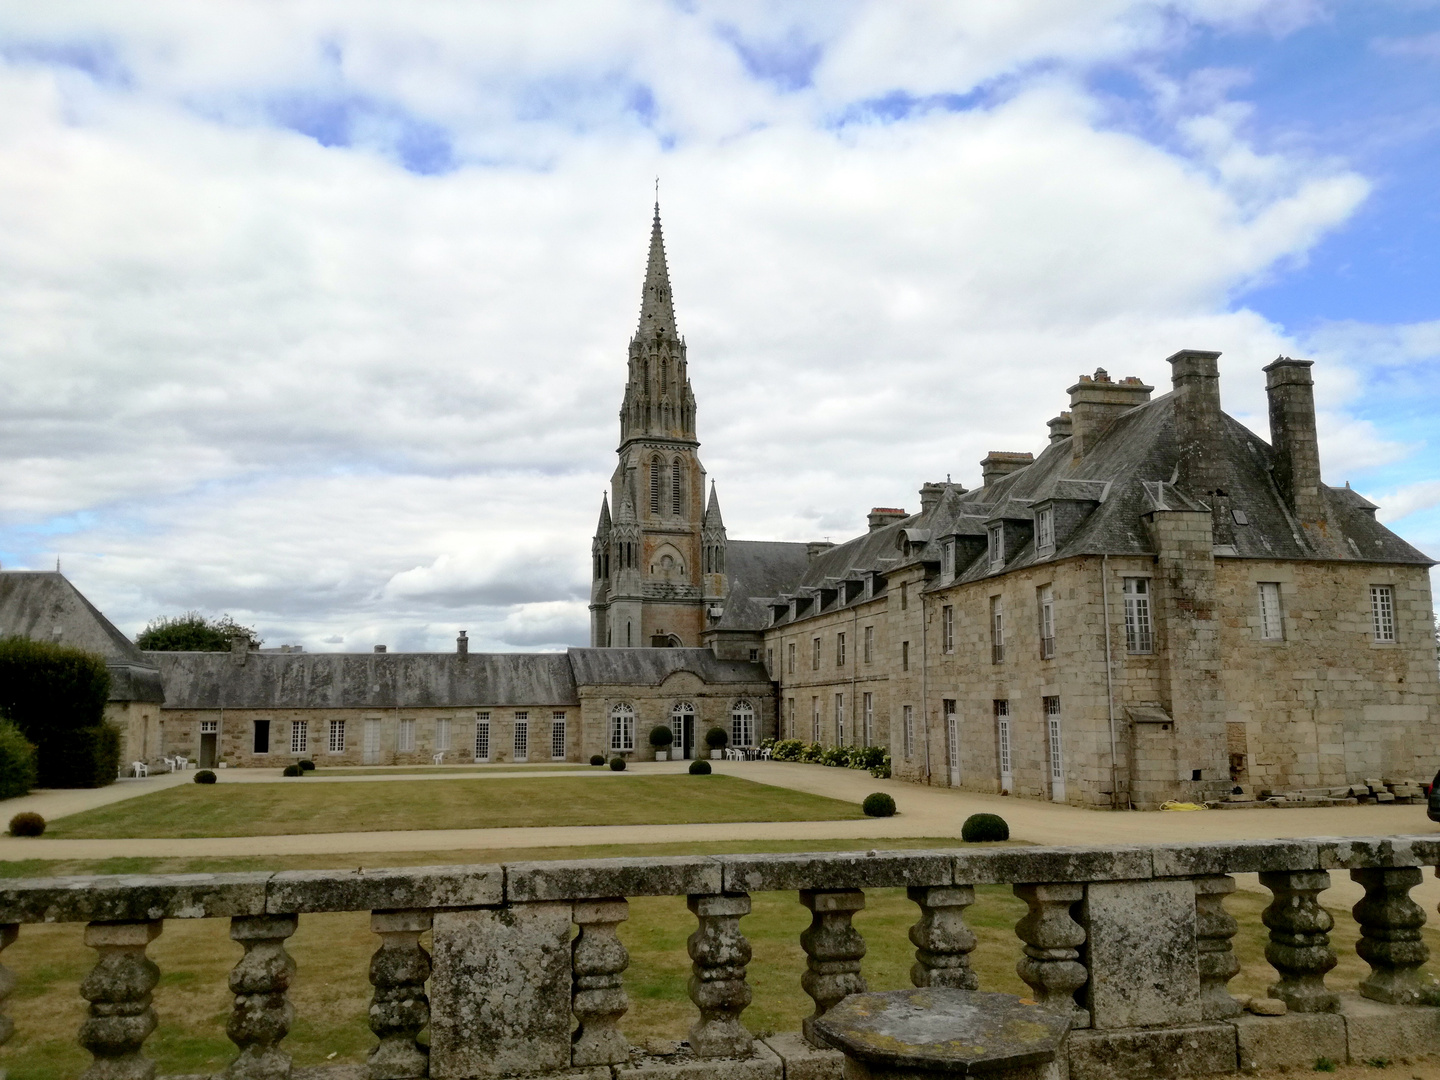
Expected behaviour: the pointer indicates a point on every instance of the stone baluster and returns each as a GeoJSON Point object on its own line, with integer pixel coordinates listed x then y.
{"type": "Point", "coordinates": [262, 1013]}
{"type": "Point", "coordinates": [121, 1015]}
{"type": "Point", "coordinates": [942, 941]}
{"type": "Point", "coordinates": [1214, 927]}
{"type": "Point", "coordinates": [598, 961]}
{"type": "Point", "coordinates": [833, 951]}
{"type": "Point", "coordinates": [399, 1009]}
{"type": "Point", "coordinates": [1051, 964]}
{"type": "Point", "coordinates": [717, 981]}
{"type": "Point", "coordinates": [1390, 942]}
{"type": "Point", "coordinates": [1299, 947]}
{"type": "Point", "coordinates": [8, 933]}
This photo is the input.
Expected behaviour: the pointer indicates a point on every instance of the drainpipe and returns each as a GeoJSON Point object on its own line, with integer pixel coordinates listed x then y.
{"type": "Point", "coordinates": [925, 681]}
{"type": "Point", "coordinates": [1109, 680]}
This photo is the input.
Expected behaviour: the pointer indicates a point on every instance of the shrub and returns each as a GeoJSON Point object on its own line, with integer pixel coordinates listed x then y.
{"type": "Point", "coordinates": [56, 696]}
{"type": "Point", "coordinates": [617, 764]}
{"type": "Point", "coordinates": [878, 804]}
{"type": "Point", "coordinates": [835, 756]}
{"type": "Point", "coordinates": [984, 828]}
{"type": "Point", "coordinates": [700, 768]}
{"type": "Point", "coordinates": [811, 752]}
{"type": "Point", "coordinates": [289, 770]}
{"type": "Point", "coordinates": [867, 757]}
{"type": "Point", "coordinates": [306, 765]}
{"type": "Point", "coordinates": [204, 776]}
{"type": "Point", "coordinates": [597, 759]}
{"type": "Point", "coordinates": [27, 824]}
{"type": "Point", "coordinates": [717, 738]}
{"type": "Point", "coordinates": [192, 632]}
{"type": "Point", "coordinates": [17, 762]}
{"type": "Point", "coordinates": [786, 750]}
{"type": "Point", "coordinates": [661, 736]}
{"type": "Point", "coordinates": [882, 771]}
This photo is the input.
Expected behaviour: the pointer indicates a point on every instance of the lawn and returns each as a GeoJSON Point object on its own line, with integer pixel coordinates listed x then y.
{"type": "Point", "coordinates": [304, 806]}
{"type": "Point", "coordinates": [463, 770]}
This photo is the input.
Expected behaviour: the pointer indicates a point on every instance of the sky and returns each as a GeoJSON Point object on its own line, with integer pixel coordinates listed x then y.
{"type": "Point", "coordinates": [316, 314]}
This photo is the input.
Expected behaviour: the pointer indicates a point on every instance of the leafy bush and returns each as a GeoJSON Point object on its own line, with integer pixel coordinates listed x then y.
{"type": "Point", "coordinates": [617, 764]}
{"type": "Point", "coordinates": [878, 804]}
{"type": "Point", "coordinates": [56, 696]}
{"type": "Point", "coordinates": [882, 771]}
{"type": "Point", "coordinates": [786, 750]}
{"type": "Point", "coordinates": [306, 765]}
{"type": "Point", "coordinates": [717, 738]}
{"type": "Point", "coordinates": [204, 776]}
{"type": "Point", "coordinates": [27, 824]}
{"type": "Point", "coordinates": [867, 757]}
{"type": "Point", "coordinates": [17, 762]}
{"type": "Point", "coordinates": [700, 768]}
{"type": "Point", "coordinates": [191, 632]}
{"type": "Point", "coordinates": [661, 736]}
{"type": "Point", "coordinates": [811, 752]}
{"type": "Point", "coordinates": [984, 828]}
{"type": "Point", "coordinates": [597, 759]}
{"type": "Point", "coordinates": [837, 757]}
{"type": "Point", "coordinates": [292, 770]}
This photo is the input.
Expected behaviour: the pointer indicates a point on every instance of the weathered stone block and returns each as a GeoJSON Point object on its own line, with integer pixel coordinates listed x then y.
{"type": "Point", "coordinates": [500, 991]}
{"type": "Point", "coordinates": [803, 1061]}
{"type": "Point", "coordinates": [403, 889]}
{"type": "Point", "coordinates": [762, 1064]}
{"type": "Point", "coordinates": [1009, 865]}
{"type": "Point", "coordinates": [1234, 857]}
{"type": "Point", "coordinates": [1199, 1050]}
{"type": "Point", "coordinates": [1266, 1042]}
{"type": "Point", "coordinates": [133, 898]}
{"type": "Point", "coordinates": [1140, 944]}
{"type": "Point", "coordinates": [836, 870]}
{"type": "Point", "coordinates": [1357, 853]}
{"type": "Point", "coordinates": [583, 879]}
{"type": "Point", "coordinates": [1374, 1030]}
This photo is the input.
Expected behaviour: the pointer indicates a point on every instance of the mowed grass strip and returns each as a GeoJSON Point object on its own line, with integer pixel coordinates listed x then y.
{"type": "Point", "coordinates": [196, 810]}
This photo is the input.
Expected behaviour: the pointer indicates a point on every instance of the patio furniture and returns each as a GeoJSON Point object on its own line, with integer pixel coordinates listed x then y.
{"type": "Point", "coordinates": [169, 763]}
{"type": "Point", "coordinates": [139, 768]}
{"type": "Point", "coordinates": [181, 762]}
{"type": "Point", "coordinates": [438, 759]}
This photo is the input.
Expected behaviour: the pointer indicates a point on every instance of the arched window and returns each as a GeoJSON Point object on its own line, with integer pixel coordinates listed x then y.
{"type": "Point", "coordinates": [675, 487]}
{"type": "Point", "coordinates": [655, 485]}
{"type": "Point", "coordinates": [742, 723]}
{"type": "Point", "coordinates": [622, 727]}
{"type": "Point", "coordinates": [681, 712]}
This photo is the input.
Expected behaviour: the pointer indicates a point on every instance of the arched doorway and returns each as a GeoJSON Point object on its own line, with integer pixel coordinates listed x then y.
{"type": "Point", "coordinates": [682, 724]}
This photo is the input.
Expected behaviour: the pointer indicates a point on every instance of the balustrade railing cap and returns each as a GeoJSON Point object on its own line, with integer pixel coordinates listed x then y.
{"type": "Point", "coordinates": [598, 879]}
{"type": "Point", "coordinates": [837, 870]}
{"type": "Point", "coordinates": [132, 897]}
{"type": "Point", "coordinates": [386, 889]}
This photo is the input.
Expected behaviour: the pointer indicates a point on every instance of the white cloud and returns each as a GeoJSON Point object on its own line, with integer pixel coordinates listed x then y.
{"type": "Point", "coordinates": [1410, 499]}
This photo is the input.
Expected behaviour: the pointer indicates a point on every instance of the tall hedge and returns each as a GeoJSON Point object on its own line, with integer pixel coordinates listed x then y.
{"type": "Point", "coordinates": [56, 696]}
{"type": "Point", "coordinates": [17, 762]}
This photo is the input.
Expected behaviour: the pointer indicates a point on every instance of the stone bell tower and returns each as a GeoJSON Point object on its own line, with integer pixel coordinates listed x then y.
{"type": "Point", "coordinates": [646, 589]}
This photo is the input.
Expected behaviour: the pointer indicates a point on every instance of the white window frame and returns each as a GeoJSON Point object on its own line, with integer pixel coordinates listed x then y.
{"type": "Point", "coordinates": [1272, 621]}
{"type": "Point", "coordinates": [1045, 528]}
{"type": "Point", "coordinates": [869, 644]}
{"type": "Point", "coordinates": [815, 654]}
{"type": "Point", "coordinates": [815, 719]}
{"type": "Point", "coordinates": [995, 542]}
{"type": "Point", "coordinates": [482, 736]}
{"type": "Point", "coordinates": [1139, 626]}
{"type": "Point", "coordinates": [520, 737]}
{"type": "Point", "coordinates": [1056, 745]}
{"type": "Point", "coordinates": [790, 712]}
{"type": "Point", "coordinates": [840, 719]}
{"type": "Point", "coordinates": [1382, 612]}
{"type": "Point", "coordinates": [299, 736]}
{"type": "Point", "coordinates": [947, 628]}
{"type": "Point", "coordinates": [908, 712]}
{"type": "Point", "coordinates": [557, 736]}
{"type": "Point", "coordinates": [336, 742]}
{"type": "Point", "coordinates": [869, 714]}
{"type": "Point", "coordinates": [790, 658]}
{"type": "Point", "coordinates": [678, 712]}
{"type": "Point", "coordinates": [952, 739]}
{"type": "Point", "coordinates": [742, 723]}
{"type": "Point", "coordinates": [997, 629]}
{"type": "Point", "coordinates": [622, 727]}
{"type": "Point", "coordinates": [1002, 744]}
{"type": "Point", "coordinates": [840, 649]}
{"type": "Point", "coordinates": [209, 727]}
{"type": "Point", "coordinates": [1047, 622]}
{"type": "Point", "coordinates": [442, 734]}
{"type": "Point", "coordinates": [405, 736]}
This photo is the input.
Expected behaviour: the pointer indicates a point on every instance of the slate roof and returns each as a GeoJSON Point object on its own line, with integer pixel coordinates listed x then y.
{"type": "Point", "coordinates": [651, 667]}
{"type": "Point", "coordinates": [757, 570]}
{"type": "Point", "coordinates": [34, 603]}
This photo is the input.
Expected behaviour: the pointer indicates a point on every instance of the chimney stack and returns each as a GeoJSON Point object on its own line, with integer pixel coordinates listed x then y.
{"type": "Point", "coordinates": [1000, 463]}
{"type": "Point", "coordinates": [1291, 391]}
{"type": "Point", "coordinates": [1198, 434]}
{"type": "Point", "coordinates": [930, 496]}
{"type": "Point", "coordinates": [1095, 403]}
{"type": "Point", "coordinates": [817, 547]}
{"type": "Point", "coordinates": [379, 648]}
{"type": "Point", "coordinates": [880, 516]}
{"type": "Point", "coordinates": [1062, 427]}
{"type": "Point", "coordinates": [462, 644]}
{"type": "Point", "coordinates": [239, 648]}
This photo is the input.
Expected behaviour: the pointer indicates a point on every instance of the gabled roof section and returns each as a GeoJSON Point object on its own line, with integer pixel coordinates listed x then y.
{"type": "Point", "coordinates": [651, 667]}
{"type": "Point", "coordinates": [757, 570]}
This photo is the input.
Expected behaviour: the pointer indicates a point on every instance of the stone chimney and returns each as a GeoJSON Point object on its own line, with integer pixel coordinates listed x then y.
{"type": "Point", "coordinates": [1095, 403]}
{"type": "Point", "coordinates": [880, 516]}
{"type": "Point", "coordinates": [817, 547]}
{"type": "Point", "coordinates": [1000, 463]}
{"type": "Point", "coordinates": [930, 496]}
{"type": "Point", "coordinates": [1197, 421]}
{"type": "Point", "coordinates": [1291, 391]}
{"type": "Point", "coordinates": [1062, 427]}
{"type": "Point", "coordinates": [462, 644]}
{"type": "Point", "coordinates": [379, 648]}
{"type": "Point", "coordinates": [239, 648]}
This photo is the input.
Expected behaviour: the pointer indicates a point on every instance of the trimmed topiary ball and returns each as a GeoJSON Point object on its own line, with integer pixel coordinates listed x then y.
{"type": "Point", "coordinates": [306, 765]}
{"type": "Point", "coordinates": [597, 759]}
{"type": "Point", "coordinates": [984, 828]}
{"type": "Point", "coordinates": [699, 768]}
{"type": "Point", "coordinates": [292, 770]}
{"type": "Point", "coordinates": [204, 776]}
{"type": "Point", "coordinates": [27, 824]}
{"type": "Point", "coordinates": [878, 805]}
{"type": "Point", "coordinates": [617, 763]}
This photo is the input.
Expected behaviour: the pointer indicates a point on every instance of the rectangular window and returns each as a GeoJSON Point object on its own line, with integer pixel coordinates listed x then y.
{"type": "Point", "coordinates": [790, 717]}
{"type": "Point", "coordinates": [869, 708]}
{"type": "Point", "coordinates": [522, 736]}
{"type": "Point", "coordinates": [1045, 528]}
{"type": "Point", "coordinates": [754, 656]}
{"type": "Point", "coordinates": [952, 739]}
{"type": "Point", "coordinates": [261, 744]}
{"type": "Point", "coordinates": [869, 644]}
{"type": "Point", "coordinates": [947, 628]}
{"type": "Point", "coordinates": [949, 567]}
{"type": "Point", "coordinates": [405, 740]}
{"type": "Point", "coordinates": [622, 728]}
{"type": "Point", "coordinates": [815, 719]}
{"type": "Point", "coordinates": [1138, 635]}
{"type": "Point", "coordinates": [904, 656]}
{"type": "Point", "coordinates": [442, 734]}
{"type": "Point", "coordinates": [996, 545]}
{"type": "Point", "coordinates": [1002, 743]}
{"type": "Point", "coordinates": [909, 714]}
{"type": "Point", "coordinates": [815, 655]}
{"type": "Point", "coordinates": [790, 658]}
{"type": "Point", "coordinates": [997, 631]}
{"type": "Point", "coordinates": [839, 719]}
{"type": "Point", "coordinates": [904, 595]}
{"type": "Point", "coordinates": [742, 726]}
{"type": "Point", "coordinates": [482, 736]}
{"type": "Point", "coordinates": [337, 736]}
{"type": "Point", "coordinates": [839, 650]}
{"type": "Point", "coordinates": [1057, 757]}
{"type": "Point", "coordinates": [557, 736]}
{"type": "Point", "coordinates": [1047, 622]}
{"type": "Point", "coordinates": [1382, 611]}
{"type": "Point", "coordinates": [769, 661]}
{"type": "Point", "coordinates": [299, 736]}
{"type": "Point", "coordinates": [209, 727]}
{"type": "Point", "coordinates": [1272, 627]}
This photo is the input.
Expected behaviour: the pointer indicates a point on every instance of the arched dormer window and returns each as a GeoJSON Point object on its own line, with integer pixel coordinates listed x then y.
{"type": "Point", "coordinates": [742, 723]}
{"type": "Point", "coordinates": [655, 485]}
{"type": "Point", "coordinates": [622, 727]}
{"type": "Point", "coordinates": [675, 492]}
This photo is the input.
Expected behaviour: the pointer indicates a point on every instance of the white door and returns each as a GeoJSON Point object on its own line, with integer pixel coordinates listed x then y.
{"type": "Point", "coordinates": [1057, 765]}
{"type": "Point", "coordinates": [372, 742]}
{"type": "Point", "coordinates": [952, 748]}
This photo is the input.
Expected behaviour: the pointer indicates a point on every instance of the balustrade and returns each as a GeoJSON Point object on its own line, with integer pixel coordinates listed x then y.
{"type": "Point", "coordinates": [942, 941]}
{"type": "Point", "coordinates": [1390, 942]}
{"type": "Point", "coordinates": [399, 1009]}
{"type": "Point", "coordinates": [260, 982]}
{"type": "Point", "coordinates": [833, 951]}
{"type": "Point", "coordinates": [1051, 964]}
{"type": "Point", "coordinates": [720, 954]}
{"type": "Point", "coordinates": [598, 961]}
{"type": "Point", "coordinates": [1214, 927]}
{"type": "Point", "coordinates": [121, 1014]}
{"type": "Point", "coordinates": [1299, 947]}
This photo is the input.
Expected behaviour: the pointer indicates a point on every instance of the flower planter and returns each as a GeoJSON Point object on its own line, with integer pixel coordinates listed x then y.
{"type": "Point", "coordinates": [662, 755]}
{"type": "Point", "coordinates": [717, 755]}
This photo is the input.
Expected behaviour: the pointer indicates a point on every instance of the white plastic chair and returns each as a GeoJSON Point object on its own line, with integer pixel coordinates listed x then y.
{"type": "Point", "coordinates": [182, 763]}
{"type": "Point", "coordinates": [438, 759]}
{"type": "Point", "coordinates": [139, 768]}
{"type": "Point", "coordinates": [765, 754]}
{"type": "Point", "coordinates": [169, 763]}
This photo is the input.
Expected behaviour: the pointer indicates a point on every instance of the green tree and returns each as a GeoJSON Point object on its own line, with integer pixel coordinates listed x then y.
{"type": "Point", "coordinates": [56, 696]}
{"type": "Point", "coordinates": [192, 632]}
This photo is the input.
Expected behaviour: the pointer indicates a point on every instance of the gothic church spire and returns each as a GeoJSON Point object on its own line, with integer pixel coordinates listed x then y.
{"type": "Point", "coordinates": [659, 403]}
{"type": "Point", "coordinates": [657, 308]}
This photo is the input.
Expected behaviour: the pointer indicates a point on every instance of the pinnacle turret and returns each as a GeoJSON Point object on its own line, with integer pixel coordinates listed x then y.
{"type": "Point", "coordinates": [712, 511]}
{"type": "Point", "coordinates": [603, 529]}
{"type": "Point", "coordinates": [658, 400]}
{"type": "Point", "coordinates": [657, 307]}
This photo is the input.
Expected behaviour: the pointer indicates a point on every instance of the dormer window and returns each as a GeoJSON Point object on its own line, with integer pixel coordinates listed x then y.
{"type": "Point", "coordinates": [997, 546]}
{"type": "Point", "coordinates": [1045, 528]}
{"type": "Point", "coordinates": [950, 558]}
